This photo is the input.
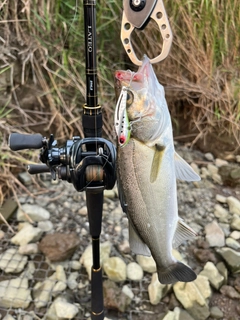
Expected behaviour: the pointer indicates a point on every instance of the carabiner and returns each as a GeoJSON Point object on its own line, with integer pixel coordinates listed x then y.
{"type": "Point", "coordinates": [135, 14]}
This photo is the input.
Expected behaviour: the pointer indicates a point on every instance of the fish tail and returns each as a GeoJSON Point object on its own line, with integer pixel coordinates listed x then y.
{"type": "Point", "coordinates": [176, 272]}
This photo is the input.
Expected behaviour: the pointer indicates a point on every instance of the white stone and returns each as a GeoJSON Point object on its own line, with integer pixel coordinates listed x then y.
{"type": "Point", "coordinates": [75, 265]}
{"type": "Point", "coordinates": [234, 244]}
{"type": "Point", "coordinates": [14, 293]}
{"type": "Point", "coordinates": [28, 249]}
{"type": "Point", "coordinates": [213, 275]}
{"type": "Point", "coordinates": [42, 291]}
{"type": "Point", "coordinates": [217, 178]}
{"type": "Point", "coordinates": [64, 309]}
{"type": "Point", "coordinates": [214, 235]}
{"type": "Point", "coordinates": [26, 235]}
{"type": "Point", "coordinates": [209, 156]}
{"type": "Point", "coordinates": [157, 290]}
{"type": "Point", "coordinates": [12, 262]}
{"type": "Point", "coordinates": [35, 212]}
{"type": "Point", "coordinates": [45, 226]}
{"type": "Point", "coordinates": [221, 213]}
{"type": "Point", "coordinates": [83, 211]}
{"type": "Point", "coordinates": [2, 234]}
{"type": "Point", "coordinates": [29, 271]}
{"type": "Point", "coordinates": [235, 235]}
{"type": "Point", "coordinates": [60, 273]}
{"type": "Point", "coordinates": [147, 263]}
{"type": "Point", "coordinates": [219, 162]}
{"type": "Point", "coordinates": [71, 281]}
{"type": "Point", "coordinates": [212, 169]}
{"type": "Point", "coordinates": [134, 271]}
{"type": "Point", "coordinates": [234, 205]}
{"type": "Point", "coordinates": [8, 317]}
{"type": "Point", "coordinates": [58, 288]}
{"type": "Point", "coordinates": [221, 198]}
{"type": "Point", "coordinates": [127, 291]}
{"type": "Point", "coordinates": [115, 268]}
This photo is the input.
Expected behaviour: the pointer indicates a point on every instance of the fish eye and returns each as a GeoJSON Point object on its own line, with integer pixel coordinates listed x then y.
{"type": "Point", "coordinates": [130, 98]}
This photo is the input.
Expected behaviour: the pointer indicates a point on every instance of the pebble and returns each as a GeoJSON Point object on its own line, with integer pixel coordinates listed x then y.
{"type": "Point", "coordinates": [221, 198]}
{"type": "Point", "coordinates": [35, 212]}
{"type": "Point", "coordinates": [58, 288]}
{"type": "Point", "coordinates": [214, 235]}
{"type": "Point", "coordinates": [231, 257]}
{"type": "Point", "coordinates": [230, 292]}
{"type": "Point", "coordinates": [216, 313]}
{"type": "Point", "coordinates": [64, 309]}
{"type": "Point", "coordinates": [221, 213]}
{"type": "Point", "coordinates": [72, 280]}
{"type": "Point", "coordinates": [212, 169]}
{"type": "Point", "coordinates": [223, 271]}
{"type": "Point", "coordinates": [28, 249]}
{"type": "Point", "coordinates": [8, 317]}
{"type": "Point", "coordinates": [127, 291]}
{"type": "Point", "coordinates": [115, 269]}
{"type": "Point", "coordinates": [234, 244]}
{"type": "Point", "coordinates": [213, 275]}
{"type": "Point", "coordinates": [42, 291]}
{"type": "Point", "coordinates": [83, 211]}
{"type": "Point", "coordinates": [235, 235]}
{"type": "Point", "coordinates": [235, 223]}
{"type": "Point", "coordinates": [60, 274]}
{"type": "Point", "coordinates": [114, 298]}
{"type": "Point", "coordinates": [234, 205]}
{"type": "Point", "coordinates": [2, 234]}
{"type": "Point", "coordinates": [45, 226]}
{"type": "Point", "coordinates": [75, 265]}
{"type": "Point", "coordinates": [147, 263]}
{"type": "Point", "coordinates": [134, 271]}
{"type": "Point", "coordinates": [209, 156]}
{"type": "Point", "coordinates": [12, 262]}
{"type": "Point", "coordinates": [26, 235]}
{"type": "Point", "coordinates": [15, 293]}
{"type": "Point", "coordinates": [157, 290]}
{"type": "Point", "coordinates": [219, 162]}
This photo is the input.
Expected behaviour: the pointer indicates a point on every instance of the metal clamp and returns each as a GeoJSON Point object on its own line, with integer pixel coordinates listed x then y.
{"type": "Point", "coordinates": [136, 14]}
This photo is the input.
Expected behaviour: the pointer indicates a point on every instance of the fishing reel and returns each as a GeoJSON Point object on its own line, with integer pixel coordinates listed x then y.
{"type": "Point", "coordinates": [88, 162]}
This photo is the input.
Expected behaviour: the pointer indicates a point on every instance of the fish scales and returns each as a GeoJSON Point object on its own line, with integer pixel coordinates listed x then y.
{"type": "Point", "coordinates": [147, 168]}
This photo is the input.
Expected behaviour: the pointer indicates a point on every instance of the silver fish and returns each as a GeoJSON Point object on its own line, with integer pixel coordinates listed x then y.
{"type": "Point", "coordinates": [147, 168]}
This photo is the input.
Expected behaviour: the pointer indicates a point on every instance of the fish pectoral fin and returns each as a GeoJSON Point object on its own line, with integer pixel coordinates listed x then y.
{"type": "Point", "coordinates": [183, 170]}
{"type": "Point", "coordinates": [156, 163]}
{"type": "Point", "coordinates": [136, 244]}
{"type": "Point", "coordinates": [176, 272]}
{"type": "Point", "coordinates": [182, 233]}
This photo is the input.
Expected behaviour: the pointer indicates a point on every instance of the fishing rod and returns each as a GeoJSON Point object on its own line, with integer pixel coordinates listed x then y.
{"type": "Point", "coordinates": [90, 163]}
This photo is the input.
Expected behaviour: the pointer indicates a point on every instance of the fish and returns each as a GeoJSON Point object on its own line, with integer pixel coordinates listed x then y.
{"type": "Point", "coordinates": [147, 169]}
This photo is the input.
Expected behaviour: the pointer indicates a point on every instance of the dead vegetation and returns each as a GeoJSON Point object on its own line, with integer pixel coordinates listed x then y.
{"type": "Point", "coordinates": [42, 71]}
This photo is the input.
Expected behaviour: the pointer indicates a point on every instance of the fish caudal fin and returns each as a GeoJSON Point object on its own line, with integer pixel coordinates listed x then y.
{"type": "Point", "coordinates": [176, 272]}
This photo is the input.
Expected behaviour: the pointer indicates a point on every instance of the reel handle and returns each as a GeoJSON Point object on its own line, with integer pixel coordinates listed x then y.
{"type": "Point", "coordinates": [19, 141]}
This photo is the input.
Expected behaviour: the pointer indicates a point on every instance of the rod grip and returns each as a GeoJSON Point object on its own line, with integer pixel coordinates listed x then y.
{"type": "Point", "coordinates": [37, 168]}
{"type": "Point", "coordinates": [19, 141]}
{"type": "Point", "coordinates": [97, 295]}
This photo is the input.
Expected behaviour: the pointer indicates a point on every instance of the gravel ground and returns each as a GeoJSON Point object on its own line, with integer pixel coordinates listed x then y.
{"type": "Point", "coordinates": [67, 209]}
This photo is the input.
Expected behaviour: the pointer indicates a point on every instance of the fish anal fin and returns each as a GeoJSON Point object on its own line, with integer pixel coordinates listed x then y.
{"type": "Point", "coordinates": [183, 170]}
{"type": "Point", "coordinates": [156, 163]}
{"type": "Point", "coordinates": [183, 232]}
{"type": "Point", "coordinates": [176, 272]}
{"type": "Point", "coordinates": [136, 244]}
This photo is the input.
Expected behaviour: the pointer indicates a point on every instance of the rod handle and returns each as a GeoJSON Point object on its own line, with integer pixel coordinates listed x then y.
{"type": "Point", "coordinates": [37, 168]}
{"type": "Point", "coordinates": [19, 141]}
{"type": "Point", "coordinates": [97, 295]}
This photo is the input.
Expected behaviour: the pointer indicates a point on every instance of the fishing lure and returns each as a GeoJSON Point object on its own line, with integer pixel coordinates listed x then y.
{"type": "Point", "coordinates": [121, 121]}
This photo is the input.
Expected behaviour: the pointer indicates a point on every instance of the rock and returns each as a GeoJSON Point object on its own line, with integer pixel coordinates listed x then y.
{"type": "Point", "coordinates": [208, 156]}
{"type": "Point", "coordinates": [115, 268]}
{"type": "Point", "coordinates": [60, 274]}
{"type": "Point", "coordinates": [221, 213]}
{"type": "Point", "coordinates": [110, 194]}
{"type": "Point", "coordinates": [234, 205]}
{"type": "Point", "coordinates": [234, 244]}
{"type": "Point", "coordinates": [114, 298]}
{"type": "Point", "coordinates": [156, 290]}
{"type": "Point", "coordinates": [216, 313]}
{"type": "Point", "coordinates": [71, 281]}
{"type": "Point", "coordinates": [235, 235]}
{"type": "Point", "coordinates": [213, 275]}
{"type": "Point", "coordinates": [134, 271]}
{"type": "Point", "coordinates": [212, 169]}
{"type": "Point", "coordinates": [237, 284]}
{"type": "Point", "coordinates": [219, 163]}
{"type": "Point", "coordinates": [86, 258]}
{"type": "Point", "coordinates": [214, 235]}
{"type": "Point", "coordinates": [26, 235]}
{"type": "Point", "coordinates": [225, 228]}
{"type": "Point", "coordinates": [58, 288]}
{"type": "Point", "coordinates": [223, 271]}
{"type": "Point", "coordinates": [28, 249]}
{"type": "Point", "coordinates": [191, 299]}
{"type": "Point", "coordinates": [15, 293]}
{"type": "Point", "coordinates": [124, 246]}
{"type": "Point", "coordinates": [230, 175]}
{"type": "Point", "coordinates": [83, 211]}
{"type": "Point", "coordinates": [29, 271]}
{"type": "Point", "coordinates": [64, 309]}
{"type": "Point", "coordinates": [59, 246]}
{"type": "Point", "coordinates": [25, 178]}
{"type": "Point", "coordinates": [204, 255]}
{"type": "Point", "coordinates": [42, 291]}
{"type": "Point", "coordinates": [12, 262]}
{"type": "Point", "coordinates": [231, 257]}
{"type": "Point", "coordinates": [169, 316]}
{"type": "Point", "coordinates": [204, 173]}
{"type": "Point", "coordinates": [147, 263]}
{"type": "Point", "coordinates": [180, 314]}
{"type": "Point", "coordinates": [45, 226]}
{"type": "Point", "coordinates": [75, 265]}
{"type": "Point", "coordinates": [8, 317]}
{"type": "Point", "coordinates": [2, 234]}
{"type": "Point", "coordinates": [230, 292]}
{"type": "Point", "coordinates": [35, 212]}
{"type": "Point", "coordinates": [235, 223]}
{"type": "Point", "coordinates": [203, 286]}
{"type": "Point", "coordinates": [217, 178]}
{"type": "Point", "coordinates": [127, 291]}
{"type": "Point", "coordinates": [221, 198]}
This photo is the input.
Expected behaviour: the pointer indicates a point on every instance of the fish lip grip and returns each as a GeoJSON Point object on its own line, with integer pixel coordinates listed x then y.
{"type": "Point", "coordinates": [135, 14]}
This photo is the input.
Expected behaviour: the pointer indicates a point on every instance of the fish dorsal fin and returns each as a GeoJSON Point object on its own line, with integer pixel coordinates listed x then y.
{"type": "Point", "coordinates": [182, 233]}
{"type": "Point", "coordinates": [157, 159]}
{"type": "Point", "coordinates": [183, 170]}
{"type": "Point", "coordinates": [136, 244]}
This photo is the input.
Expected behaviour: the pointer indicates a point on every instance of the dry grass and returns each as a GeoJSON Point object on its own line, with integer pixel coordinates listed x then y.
{"type": "Point", "coordinates": [42, 70]}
